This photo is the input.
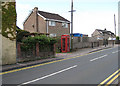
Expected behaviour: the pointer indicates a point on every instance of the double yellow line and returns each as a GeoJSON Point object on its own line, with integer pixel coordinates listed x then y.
{"type": "Point", "coordinates": [111, 78]}
{"type": "Point", "coordinates": [16, 70]}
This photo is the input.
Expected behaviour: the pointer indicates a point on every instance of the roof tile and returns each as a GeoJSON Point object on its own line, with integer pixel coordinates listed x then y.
{"type": "Point", "coordinates": [52, 16]}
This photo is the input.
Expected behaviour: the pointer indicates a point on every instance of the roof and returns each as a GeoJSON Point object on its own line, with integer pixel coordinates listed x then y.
{"type": "Point", "coordinates": [18, 27]}
{"type": "Point", "coordinates": [52, 16]}
{"type": "Point", "coordinates": [105, 31]}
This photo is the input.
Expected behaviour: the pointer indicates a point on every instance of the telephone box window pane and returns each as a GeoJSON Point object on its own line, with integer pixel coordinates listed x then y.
{"type": "Point", "coordinates": [63, 40]}
{"type": "Point", "coordinates": [68, 44]}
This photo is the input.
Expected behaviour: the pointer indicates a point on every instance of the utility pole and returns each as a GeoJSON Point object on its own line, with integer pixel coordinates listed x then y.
{"type": "Point", "coordinates": [115, 24]}
{"type": "Point", "coordinates": [72, 17]}
{"type": "Point", "coordinates": [71, 37]}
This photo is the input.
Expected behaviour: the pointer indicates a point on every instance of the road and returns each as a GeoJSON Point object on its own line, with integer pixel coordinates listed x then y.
{"type": "Point", "coordinates": [93, 68]}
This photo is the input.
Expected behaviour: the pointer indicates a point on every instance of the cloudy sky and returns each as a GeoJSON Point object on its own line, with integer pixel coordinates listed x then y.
{"type": "Point", "coordinates": [89, 15]}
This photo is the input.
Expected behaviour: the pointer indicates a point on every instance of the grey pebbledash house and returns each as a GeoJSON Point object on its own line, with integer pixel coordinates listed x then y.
{"type": "Point", "coordinates": [103, 34]}
{"type": "Point", "coordinates": [45, 22]}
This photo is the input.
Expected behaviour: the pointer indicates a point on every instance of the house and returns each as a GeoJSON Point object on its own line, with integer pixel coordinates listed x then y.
{"type": "Point", "coordinates": [45, 22]}
{"type": "Point", "coordinates": [103, 34]}
{"type": "Point", "coordinates": [103, 37]}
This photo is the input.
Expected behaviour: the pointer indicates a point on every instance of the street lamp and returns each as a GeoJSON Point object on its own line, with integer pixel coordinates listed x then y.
{"type": "Point", "coordinates": [115, 24]}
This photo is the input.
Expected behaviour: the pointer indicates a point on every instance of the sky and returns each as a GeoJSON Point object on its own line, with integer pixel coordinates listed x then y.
{"type": "Point", "coordinates": [89, 14]}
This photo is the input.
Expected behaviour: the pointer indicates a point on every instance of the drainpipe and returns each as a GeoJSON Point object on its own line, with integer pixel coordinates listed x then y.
{"type": "Point", "coordinates": [46, 26]}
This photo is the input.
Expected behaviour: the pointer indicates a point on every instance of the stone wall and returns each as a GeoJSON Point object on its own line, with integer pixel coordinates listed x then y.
{"type": "Point", "coordinates": [8, 51]}
{"type": "Point", "coordinates": [8, 33]}
{"type": "Point", "coordinates": [0, 34]}
{"type": "Point", "coordinates": [81, 42]}
{"type": "Point", "coordinates": [86, 42]}
{"type": "Point", "coordinates": [0, 49]}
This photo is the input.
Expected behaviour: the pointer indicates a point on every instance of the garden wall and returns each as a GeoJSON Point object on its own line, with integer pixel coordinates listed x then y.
{"type": "Point", "coordinates": [8, 51]}
{"type": "Point", "coordinates": [39, 52]}
{"type": "Point", "coordinates": [8, 32]}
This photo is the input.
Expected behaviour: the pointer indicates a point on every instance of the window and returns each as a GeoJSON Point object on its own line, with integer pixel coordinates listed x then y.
{"type": "Point", "coordinates": [52, 23]}
{"type": "Point", "coordinates": [53, 35]}
{"type": "Point", "coordinates": [65, 25]}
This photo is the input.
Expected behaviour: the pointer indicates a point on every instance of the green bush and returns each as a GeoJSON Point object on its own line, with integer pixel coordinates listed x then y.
{"type": "Point", "coordinates": [44, 42]}
{"type": "Point", "coordinates": [20, 35]}
{"type": "Point", "coordinates": [117, 38]}
{"type": "Point", "coordinates": [52, 40]}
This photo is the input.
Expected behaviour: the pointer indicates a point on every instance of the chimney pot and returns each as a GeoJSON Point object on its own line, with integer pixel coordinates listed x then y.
{"type": "Point", "coordinates": [36, 9]}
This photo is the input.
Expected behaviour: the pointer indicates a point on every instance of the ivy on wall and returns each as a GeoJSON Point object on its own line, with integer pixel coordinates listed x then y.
{"type": "Point", "coordinates": [9, 20]}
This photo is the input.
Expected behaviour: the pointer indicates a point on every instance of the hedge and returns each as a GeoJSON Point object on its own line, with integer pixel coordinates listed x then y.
{"type": "Point", "coordinates": [30, 42]}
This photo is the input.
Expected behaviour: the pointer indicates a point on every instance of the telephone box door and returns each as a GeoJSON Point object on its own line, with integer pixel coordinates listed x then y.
{"type": "Point", "coordinates": [65, 43]}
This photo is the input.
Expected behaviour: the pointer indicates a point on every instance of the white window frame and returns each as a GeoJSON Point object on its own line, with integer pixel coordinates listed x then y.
{"type": "Point", "coordinates": [52, 23]}
{"type": "Point", "coordinates": [65, 25]}
{"type": "Point", "coordinates": [53, 35]}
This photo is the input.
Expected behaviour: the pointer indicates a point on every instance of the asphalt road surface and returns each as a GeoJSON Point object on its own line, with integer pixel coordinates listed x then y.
{"type": "Point", "coordinates": [92, 68]}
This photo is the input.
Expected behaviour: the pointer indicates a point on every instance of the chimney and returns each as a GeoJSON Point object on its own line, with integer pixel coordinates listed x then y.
{"type": "Point", "coordinates": [105, 29]}
{"type": "Point", "coordinates": [35, 9]}
{"type": "Point", "coordinates": [36, 18]}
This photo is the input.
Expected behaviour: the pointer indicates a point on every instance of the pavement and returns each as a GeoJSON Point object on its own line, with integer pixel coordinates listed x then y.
{"type": "Point", "coordinates": [59, 56]}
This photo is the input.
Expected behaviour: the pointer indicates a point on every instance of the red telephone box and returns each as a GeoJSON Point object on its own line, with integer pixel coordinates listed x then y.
{"type": "Point", "coordinates": [65, 43]}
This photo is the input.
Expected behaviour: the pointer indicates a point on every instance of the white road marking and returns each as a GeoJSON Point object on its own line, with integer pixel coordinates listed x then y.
{"type": "Point", "coordinates": [116, 51]}
{"type": "Point", "coordinates": [101, 50]}
{"type": "Point", "coordinates": [98, 58]}
{"type": "Point", "coordinates": [47, 76]}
